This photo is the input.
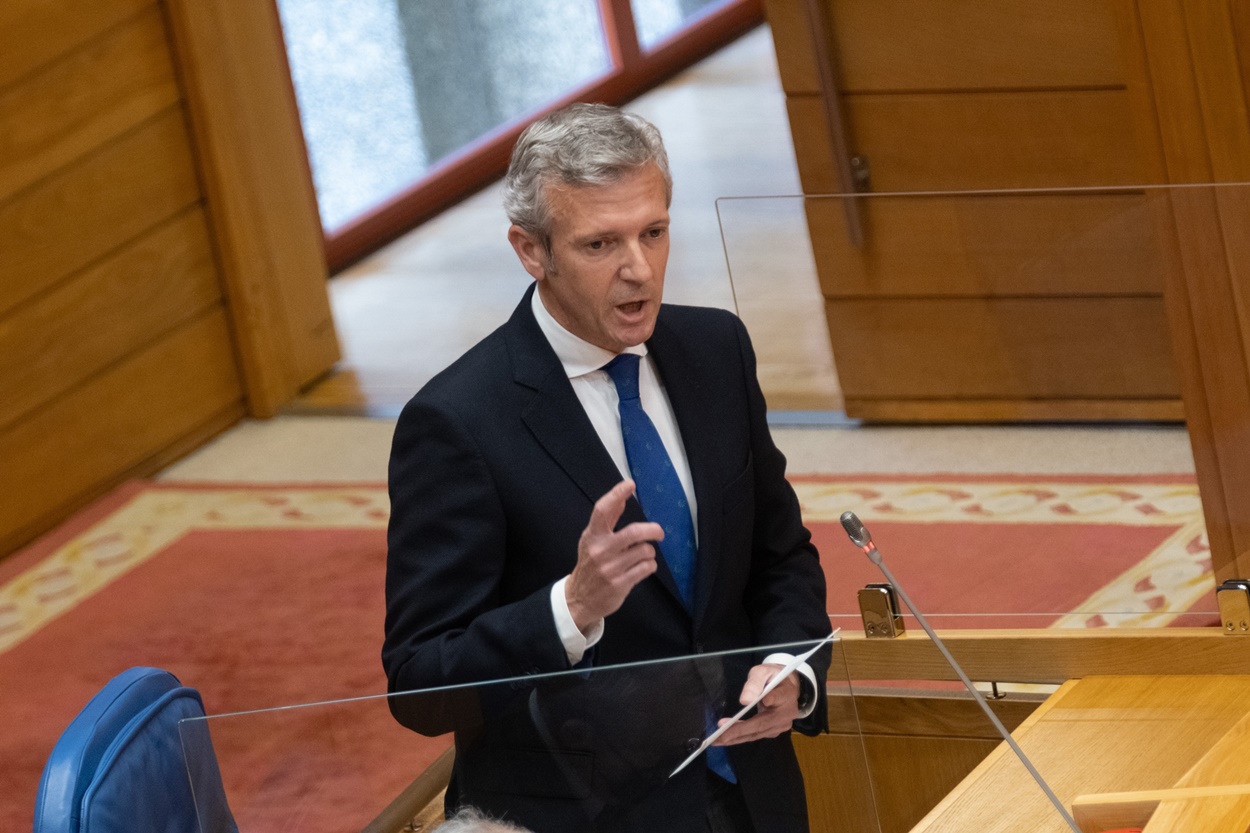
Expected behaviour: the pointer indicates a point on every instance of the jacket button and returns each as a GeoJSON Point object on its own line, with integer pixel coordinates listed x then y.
{"type": "Point", "coordinates": [692, 745]}
{"type": "Point", "coordinates": [698, 647]}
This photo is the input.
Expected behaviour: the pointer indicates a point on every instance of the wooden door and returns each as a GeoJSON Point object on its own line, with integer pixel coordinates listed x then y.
{"type": "Point", "coordinates": [1049, 93]}
{"type": "Point", "coordinates": [952, 305]}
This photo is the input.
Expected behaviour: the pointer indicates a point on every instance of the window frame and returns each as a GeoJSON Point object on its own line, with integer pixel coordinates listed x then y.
{"type": "Point", "coordinates": [633, 71]}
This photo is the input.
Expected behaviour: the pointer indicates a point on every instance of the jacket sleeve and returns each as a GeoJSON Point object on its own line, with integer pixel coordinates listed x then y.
{"type": "Point", "coordinates": [786, 596]}
{"type": "Point", "coordinates": [446, 546]}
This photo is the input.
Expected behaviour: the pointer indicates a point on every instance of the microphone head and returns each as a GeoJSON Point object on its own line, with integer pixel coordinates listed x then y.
{"type": "Point", "coordinates": [855, 529]}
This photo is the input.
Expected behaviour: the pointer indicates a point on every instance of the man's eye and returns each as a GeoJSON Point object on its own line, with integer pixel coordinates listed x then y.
{"type": "Point", "coordinates": [595, 245]}
{"type": "Point", "coordinates": [656, 233]}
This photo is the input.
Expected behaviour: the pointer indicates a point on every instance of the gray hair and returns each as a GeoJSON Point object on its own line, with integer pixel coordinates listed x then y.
{"type": "Point", "coordinates": [582, 144]}
{"type": "Point", "coordinates": [472, 820]}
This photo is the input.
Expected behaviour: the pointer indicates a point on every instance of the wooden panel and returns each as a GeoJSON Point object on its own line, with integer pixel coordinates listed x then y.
{"type": "Point", "coordinates": [1213, 307]}
{"type": "Point", "coordinates": [839, 792]}
{"type": "Point", "coordinates": [1193, 70]}
{"type": "Point", "coordinates": [1141, 97]}
{"type": "Point", "coordinates": [1218, 299]}
{"type": "Point", "coordinates": [73, 105]}
{"type": "Point", "coordinates": [995, 140]}
{"type": "Point", "coordinates": [813, 146]}
{"type": "Point", "coordinates": [914, 712]}
{"type": "Point", "coordinates": [254, 165]}
{"type": "Point", "coordinates": [70, 220]}
{"type": "Point", "coordinates": [127, 301]}
{"type": "Point", "coordinates": [1161, 82]}
{"type": "Point", "coordinates": [971, 44]}
{"type": "Point", "coordinates": [911, 775]}
{"type": "Point", "coordinates": [917, 748]}
{"type": "Point", "coordinates": [160, 397]}
{"type": "Point", "coordinates": [1204, 803]}
{"type": "Point", "coordinates": [1106, 812]}
{"type": "Point", "coordinates": [973, 141]}
{"type": "Point", "coordinates": [1082, 244]}
{"type": "Point", "coordinates": [1097, 735]}
{"type": "Point", "coordinates": [38, 31]}
{"type": "Point", "coordinates": [1016, 410]}
{"type": "Point", "coordinates": [1049, 655]}
{"type": "Point", "coordinates": [958, 44]}
{"type": "Point", "coordinates": [1015, 348]}
{"type": "Point", "coordinates": [792, 42]}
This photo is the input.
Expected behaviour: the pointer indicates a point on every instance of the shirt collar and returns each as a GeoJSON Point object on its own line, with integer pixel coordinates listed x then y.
{"type": "Point", "coordinates": [577, 355]}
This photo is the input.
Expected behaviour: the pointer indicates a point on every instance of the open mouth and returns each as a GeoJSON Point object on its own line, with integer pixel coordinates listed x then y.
{"type": "Point", "coordinates": [632, 308]}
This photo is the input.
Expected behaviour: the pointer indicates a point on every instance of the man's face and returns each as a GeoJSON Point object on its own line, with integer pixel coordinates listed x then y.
{"type": "Point", "coordinates": [609, 248]}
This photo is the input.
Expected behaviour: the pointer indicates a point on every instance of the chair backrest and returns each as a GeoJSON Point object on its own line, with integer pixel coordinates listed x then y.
{"type": "Point", "coordinates": [124, 765]}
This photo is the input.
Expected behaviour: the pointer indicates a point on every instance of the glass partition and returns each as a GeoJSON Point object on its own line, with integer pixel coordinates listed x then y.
{"type": "Point", "coordinates": [1007, 305]}
{"type": "Point", "coordinates": [602, 748]}
{"type": "Point", "coordinates": [598, 747]}
{"type": "Point", "coordinates": [1038, 314]}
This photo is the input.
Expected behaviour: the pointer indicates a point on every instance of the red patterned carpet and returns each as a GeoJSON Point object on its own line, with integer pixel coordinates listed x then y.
{"type": "Point", "coordinates": [270, 596]}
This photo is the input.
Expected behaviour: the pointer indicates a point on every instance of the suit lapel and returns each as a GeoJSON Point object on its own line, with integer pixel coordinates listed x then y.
{"type": "Point", "coordinates": [685, 378]}
{"type": "Point", "coordinates": [556, 418]}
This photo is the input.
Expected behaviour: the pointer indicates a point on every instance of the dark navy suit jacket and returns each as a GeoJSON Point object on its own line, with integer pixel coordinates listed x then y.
{"type": "Point", "coordinates": [494, 471]}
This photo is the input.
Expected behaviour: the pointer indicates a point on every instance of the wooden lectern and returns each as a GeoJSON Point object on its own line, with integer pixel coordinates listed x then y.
{"type": "Point", "coordinates": [1147, 729]}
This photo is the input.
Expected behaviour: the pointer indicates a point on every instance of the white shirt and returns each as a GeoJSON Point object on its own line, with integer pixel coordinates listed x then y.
{"type": "Point", "coordinates": [582, 362]}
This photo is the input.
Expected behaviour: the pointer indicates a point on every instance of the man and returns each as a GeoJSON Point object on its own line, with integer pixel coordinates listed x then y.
{"type": "Point", "coordinates": [517, 543]}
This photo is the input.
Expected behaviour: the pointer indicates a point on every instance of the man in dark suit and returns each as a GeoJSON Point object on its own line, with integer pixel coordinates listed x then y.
{"type": "Point", "coordinates": [518, 546]}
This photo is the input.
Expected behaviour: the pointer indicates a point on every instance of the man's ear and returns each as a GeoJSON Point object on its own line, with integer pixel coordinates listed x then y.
{"type": "Point", "coordinates": [530, 250]}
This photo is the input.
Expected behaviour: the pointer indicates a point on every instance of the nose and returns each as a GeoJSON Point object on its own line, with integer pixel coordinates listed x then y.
{"type": "Point", "coordinates": [635, 266]}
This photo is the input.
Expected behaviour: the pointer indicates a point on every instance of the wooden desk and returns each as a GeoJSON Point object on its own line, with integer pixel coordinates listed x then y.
{"type": "Point", "coordinates": [1109, 735]}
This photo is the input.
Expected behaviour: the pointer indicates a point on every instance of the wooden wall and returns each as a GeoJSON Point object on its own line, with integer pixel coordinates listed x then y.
{"type": "Point", "coordinates": [978, 306]}
{"type": "Point", "coordinates": [124, 327]}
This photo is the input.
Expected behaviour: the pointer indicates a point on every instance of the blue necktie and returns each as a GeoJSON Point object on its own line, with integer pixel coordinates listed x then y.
{"type": "Point", "coordinates": [658, 488]}
{"type": "Point", "coordinates": [663, 500]}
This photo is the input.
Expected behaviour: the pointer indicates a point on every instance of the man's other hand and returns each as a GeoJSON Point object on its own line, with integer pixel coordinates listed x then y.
{"type": "Point", "coordinates": [776, 712]}
{"type": "Point", "coordinates": [609, 561]}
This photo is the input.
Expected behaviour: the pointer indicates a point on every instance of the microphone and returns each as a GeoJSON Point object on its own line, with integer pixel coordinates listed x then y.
{"type": "Point", "coordinates": [861, 538]}
{"type": "Point", "coordinates": [856, 530]}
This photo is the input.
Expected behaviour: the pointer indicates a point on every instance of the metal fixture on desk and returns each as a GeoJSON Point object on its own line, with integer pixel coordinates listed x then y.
{"type": "Point", "coordinates": [878, 607]}
{"type": "Point", "coordinates": [1233, 596]}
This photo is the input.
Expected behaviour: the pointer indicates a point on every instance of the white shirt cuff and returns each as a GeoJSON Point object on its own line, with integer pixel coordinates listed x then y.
{"type": "Point", "coordinates": [804, 669]}
{"type": "Point", "coordinates": [576, 644]}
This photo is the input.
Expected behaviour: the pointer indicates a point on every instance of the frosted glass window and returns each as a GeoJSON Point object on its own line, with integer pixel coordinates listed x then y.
{"type": "Point", "coordinates": [655, 20]}
{"type": "Point", "coordinates": [388, 88]}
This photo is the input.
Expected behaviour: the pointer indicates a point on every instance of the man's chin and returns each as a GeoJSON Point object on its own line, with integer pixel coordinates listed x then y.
{"type": "Point", "coordinates": [632, 335]}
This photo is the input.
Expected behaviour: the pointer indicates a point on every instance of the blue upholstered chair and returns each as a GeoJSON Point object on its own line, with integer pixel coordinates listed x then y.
{"type": "Point", "coordinates": [124, 766]}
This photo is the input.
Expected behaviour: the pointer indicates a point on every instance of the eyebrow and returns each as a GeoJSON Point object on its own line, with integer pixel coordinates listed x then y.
{"type": "Point", "coordinates": [591, 236]}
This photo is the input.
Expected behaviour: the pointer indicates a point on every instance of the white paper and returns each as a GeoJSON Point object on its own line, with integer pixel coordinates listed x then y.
{"type": "Point", "coordinates": [786, 671]}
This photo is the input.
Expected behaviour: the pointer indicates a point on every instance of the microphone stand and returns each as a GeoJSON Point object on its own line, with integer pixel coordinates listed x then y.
{"type": "Point", "coordinates": [859, 536]}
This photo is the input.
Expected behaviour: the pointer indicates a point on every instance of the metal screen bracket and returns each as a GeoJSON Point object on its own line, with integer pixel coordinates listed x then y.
{"type": "Point", "coordinates": [1234, 599]}
{"type": "Point", "coordinates": [878, 607]}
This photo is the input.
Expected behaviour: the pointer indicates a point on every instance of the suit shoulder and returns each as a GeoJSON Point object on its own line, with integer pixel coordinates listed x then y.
{"type": "Point", "coordinates": [707, 328]}
{"type": "Point", "coordinates": [701, 320]}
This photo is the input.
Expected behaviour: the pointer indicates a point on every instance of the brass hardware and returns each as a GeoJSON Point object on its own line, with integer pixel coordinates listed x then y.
{"type": "Point", "coordinates": [861, 173]}
{"type": "Point", "coordinates": [878, 607]}
{"type": "Point", "coordinates": [1234, 600]}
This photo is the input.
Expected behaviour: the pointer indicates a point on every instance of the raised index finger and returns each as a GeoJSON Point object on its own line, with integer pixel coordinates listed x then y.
{"type": "Point", "coordinates": [608, 508]}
